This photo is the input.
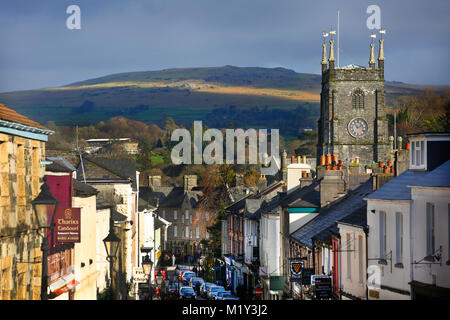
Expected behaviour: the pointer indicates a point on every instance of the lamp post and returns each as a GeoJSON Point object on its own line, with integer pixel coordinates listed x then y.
{"type": "Point", "coordinates": [147, 265]}
{"type": "Point", "coordinates": [44, 207]}
{"type": "Point", "coordinates": [111, 242]}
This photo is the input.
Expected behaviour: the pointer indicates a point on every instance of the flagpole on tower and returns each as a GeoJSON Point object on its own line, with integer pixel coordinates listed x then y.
{"type": "Point", "coordinates": [338, 35]}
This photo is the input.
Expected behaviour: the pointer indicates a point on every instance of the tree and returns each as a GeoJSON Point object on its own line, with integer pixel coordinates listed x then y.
{"type": "Point", "coordinates": [251, 178]}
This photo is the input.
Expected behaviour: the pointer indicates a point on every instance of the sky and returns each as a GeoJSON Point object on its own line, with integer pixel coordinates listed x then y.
{"type": "Point", "coordinates": [37, 50]}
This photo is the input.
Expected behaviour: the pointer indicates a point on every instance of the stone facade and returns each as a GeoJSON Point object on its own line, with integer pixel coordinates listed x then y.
{"type": "Point", "coordinates": [20, 254]}
{"type": "Point", "coordinates": [350, 93]}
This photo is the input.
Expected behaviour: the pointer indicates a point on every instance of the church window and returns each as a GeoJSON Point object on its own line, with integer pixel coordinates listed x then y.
{"type": "Point", "coordinates": [358, 99]}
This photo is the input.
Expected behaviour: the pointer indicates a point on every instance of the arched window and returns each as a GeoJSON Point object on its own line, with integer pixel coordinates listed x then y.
{"type": "Point", "coordinates": [358, 99]}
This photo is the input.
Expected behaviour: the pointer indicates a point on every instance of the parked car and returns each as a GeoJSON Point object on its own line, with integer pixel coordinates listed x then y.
{"type": "Point", "coordinates": [213, 290]}
{"type": "Point", "coordinates": [204, 288]}
{"type": "Point", "coordinates": [221, 294]}
{"type": "Point", "coordinates": [187, 275]}
{"type": "Point", "coordinates": [229, 297]}
{"type": "Point", "coordinates": [187, 293]}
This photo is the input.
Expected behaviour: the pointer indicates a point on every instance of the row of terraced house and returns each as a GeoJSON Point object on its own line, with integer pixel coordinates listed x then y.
{"type": "Point", "coordinates": [99, 194]}
{"type": "Point", "coordinates": [368, 233]}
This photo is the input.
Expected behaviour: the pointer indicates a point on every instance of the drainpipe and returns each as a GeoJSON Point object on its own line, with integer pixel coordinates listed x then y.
{"type": "Point", "coordinates": [339, 268]}
{"type": "Point", "coordinates": [366, 232]}
{"type": "Point", "coordinates": [411, 241]}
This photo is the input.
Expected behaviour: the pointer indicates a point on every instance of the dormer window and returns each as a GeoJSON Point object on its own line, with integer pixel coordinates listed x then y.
{"type": "Point", "coordinates": [418, 154]}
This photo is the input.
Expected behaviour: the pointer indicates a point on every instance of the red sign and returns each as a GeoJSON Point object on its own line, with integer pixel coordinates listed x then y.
{"type": "Point", "coordinates": [67, 225]}
{"type": "Point", "coordinates": [258, 292]}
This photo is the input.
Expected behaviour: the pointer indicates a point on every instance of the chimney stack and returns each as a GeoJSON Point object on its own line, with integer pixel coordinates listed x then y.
{"type": "Point", "coordinates": [189, 182]}
{"type": "Point", "coordinates": [154, 181]}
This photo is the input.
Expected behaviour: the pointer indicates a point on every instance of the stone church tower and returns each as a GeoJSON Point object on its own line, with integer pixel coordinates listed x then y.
{"type": "Point", "coordinates": [353, 119]}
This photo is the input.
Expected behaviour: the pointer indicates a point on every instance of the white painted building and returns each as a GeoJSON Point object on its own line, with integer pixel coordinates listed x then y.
{"type": "Point", "coordinates": [431, 234]}
{"type": "Point", "coordinates": [270, 253]}
{"type": "Point", "coordinates": [409, 222]}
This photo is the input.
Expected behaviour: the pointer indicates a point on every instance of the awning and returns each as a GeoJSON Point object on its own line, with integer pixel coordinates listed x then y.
{"type": "Point", "coordinates": [62, 285]}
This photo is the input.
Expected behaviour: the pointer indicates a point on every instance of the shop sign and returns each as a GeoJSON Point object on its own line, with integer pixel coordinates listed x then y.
{"type": "Point", "coordinates": [139, 275]}
{"type": "Point", "coordinates": [296, 268]}
{"type": "Point", "coordinates": [322, 287]}
{"type": "Point", "coordinates": [67, 225]}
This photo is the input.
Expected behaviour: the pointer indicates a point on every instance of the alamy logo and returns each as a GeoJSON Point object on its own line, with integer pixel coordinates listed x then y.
{"type": "Point", "coordinates": [213, 152]}
{"type": "Point", "coordinates": [373, 277]}
{"type": "Point", "coordinates": [374, 20]}
{"type": "Point", "coordinates": [74, 20]}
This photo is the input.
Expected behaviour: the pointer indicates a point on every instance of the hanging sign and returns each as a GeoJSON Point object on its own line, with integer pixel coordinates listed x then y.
{"type": "Point", "coordinates": [296, 268]}
{"type": "Point", "coordinates": [67, 225]}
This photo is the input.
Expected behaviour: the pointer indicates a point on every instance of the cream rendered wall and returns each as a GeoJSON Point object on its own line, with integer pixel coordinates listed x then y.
{"type": "Point", "coordinates": [353, 285]}
{"type": "Point", "coordinates": [294, 173]}
{"type": "Point", "coordinates": [399, 277]}
{"type": "Point", "coordinates": [125, 192]}
{"type": "Point", "coordinates": [86, 250]}
{"type": "Point", "coordinates": [270, 244]}
{"type": "Point", "coordinates": [441, 199]}
{"type": "Point", "coordinates": [102, 265]}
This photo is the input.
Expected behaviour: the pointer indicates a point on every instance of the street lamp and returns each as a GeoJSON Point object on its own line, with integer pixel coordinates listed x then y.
{"type": "Point", "coordinates": [111, 242]}
{"type": "Point", "coordinates": [111, 245]}
{"type": "Point", "coordinates": [147, 265]}
{"type": "Point", "coordinates": [44, 207]}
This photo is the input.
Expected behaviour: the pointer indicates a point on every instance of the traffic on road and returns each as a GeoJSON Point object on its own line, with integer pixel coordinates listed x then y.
{"type": "Point", "coordinates": [184, 283]}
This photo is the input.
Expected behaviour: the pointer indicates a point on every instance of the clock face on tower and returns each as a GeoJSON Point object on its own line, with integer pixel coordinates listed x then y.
{"type": "Point", "coordinates": [357, 127]}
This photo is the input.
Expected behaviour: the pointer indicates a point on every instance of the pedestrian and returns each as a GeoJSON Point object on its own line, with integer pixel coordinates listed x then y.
{"type": "Point", "coordinates": [173, 259]}
{"type": "Point", "coordinates": [197, 287]}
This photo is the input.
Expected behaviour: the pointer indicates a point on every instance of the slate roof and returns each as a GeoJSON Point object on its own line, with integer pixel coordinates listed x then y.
{"type": "Point", "coordinates": [328, 215]}
{"type": "Point", "coordinates": [10, 115]}
{"type": "Point", "coordinates": [325, 235]}
{"type": "Point", "coordinates": [117, 216]}
{"type": "Point", "coordinates": [59, 164]}
{"type": "Point", "coordinates": [305, 197]}
{"type": "Point", "coordinates": [98, 168]}
{"type": "Point", "coordinates": [83, 190]}
{"type": "Point", "coordinates": [158, 224]}
{"type": "Point", "coordinates": [439, 177]}
{"type": "Point", "coordinates": [357, 218]}
{"type": "Point", "coordinates": [241, 203]}
{"type": "Point", "coordinates": [272, 205]}
{"type": "Point", "coordinates": [397, 188]}
{"type": "Point", "coordinates": [124, 168]}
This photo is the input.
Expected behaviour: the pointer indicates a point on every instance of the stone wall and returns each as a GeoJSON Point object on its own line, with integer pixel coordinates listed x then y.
{"type": "Point", "coordinates": [20, 255]}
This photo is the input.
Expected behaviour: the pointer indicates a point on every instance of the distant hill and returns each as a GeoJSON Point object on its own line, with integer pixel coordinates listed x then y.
{"type": "Point", "coordinates": [183, 93]}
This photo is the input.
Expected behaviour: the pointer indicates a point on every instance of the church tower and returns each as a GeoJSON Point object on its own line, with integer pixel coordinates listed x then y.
{"type": "Point", "coordinates": [353, 120]}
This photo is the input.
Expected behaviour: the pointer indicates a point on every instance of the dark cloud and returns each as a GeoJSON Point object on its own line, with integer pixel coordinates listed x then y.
{"type": "Point", "coordinates": [37, 50]}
